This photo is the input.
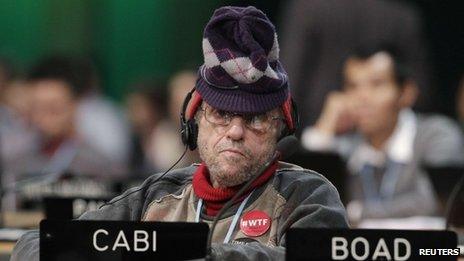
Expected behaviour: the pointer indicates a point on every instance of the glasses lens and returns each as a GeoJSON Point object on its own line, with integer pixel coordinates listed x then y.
{"type": "Point", "coordinates": [216, 116]}
{"type": "Point", "coordinates": [258, 123]}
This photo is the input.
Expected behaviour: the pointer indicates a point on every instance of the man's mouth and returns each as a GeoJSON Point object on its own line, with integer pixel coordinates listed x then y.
{"type": "Point", "coordinates": [233, 151]}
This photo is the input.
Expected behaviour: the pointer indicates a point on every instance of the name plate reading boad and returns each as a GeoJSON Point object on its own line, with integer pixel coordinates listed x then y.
{"type": "Point", "coordinates": [370, 244]}
{"type": "Point", "coordinates": [121, 240]}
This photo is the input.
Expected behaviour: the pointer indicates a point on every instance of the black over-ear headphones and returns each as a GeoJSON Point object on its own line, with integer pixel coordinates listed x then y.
{"type": "Point", "coordinates": [189, 127]}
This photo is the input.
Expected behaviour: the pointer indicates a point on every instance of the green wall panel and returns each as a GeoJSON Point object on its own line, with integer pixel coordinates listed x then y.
{"type": "Point", "coordinates": [129, 40]}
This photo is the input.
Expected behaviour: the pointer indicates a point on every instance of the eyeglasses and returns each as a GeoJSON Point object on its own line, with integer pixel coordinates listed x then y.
{"type": "Point", "coordinates": [256, 122]}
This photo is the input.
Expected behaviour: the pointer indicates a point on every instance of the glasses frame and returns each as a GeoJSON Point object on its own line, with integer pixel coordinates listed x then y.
{"type": "Point", "coordinates": [247, 119]}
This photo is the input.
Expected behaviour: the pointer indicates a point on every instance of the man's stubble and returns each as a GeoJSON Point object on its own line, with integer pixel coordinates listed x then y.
{"type": "Point", "coordinates": [248, 166]}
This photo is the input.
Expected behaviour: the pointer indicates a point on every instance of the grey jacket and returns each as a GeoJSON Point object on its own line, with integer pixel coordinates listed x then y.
{"type": "Point", "coordinates": [294, 197]}
{"type": "Point", "coordinates": [438, 142]}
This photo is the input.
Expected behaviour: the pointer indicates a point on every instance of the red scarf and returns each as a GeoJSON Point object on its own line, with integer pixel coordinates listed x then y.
{"type": "Point", "coordinates": [215, 198]}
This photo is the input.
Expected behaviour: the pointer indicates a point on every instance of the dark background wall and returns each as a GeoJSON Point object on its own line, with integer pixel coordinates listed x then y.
{"type": "Point", "coordinates": [444, 30]}
{"type": "Point", "coordinates": [128, 40]}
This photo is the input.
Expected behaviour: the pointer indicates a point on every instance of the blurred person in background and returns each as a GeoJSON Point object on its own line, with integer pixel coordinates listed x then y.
{"type": "Point", "coordinates": [55, 88]}
{"type": "Point", "coordinates": [146, 110]}
{"type": "Point", "coordinates": [318, 36]}
{"type": "Point", "coordinates": [156, 130]}
{"type": "Point", "coordinates": [179, 85]}
{"type": "Point", "coordinates": [17, 98]}
{"type": "Point", "coordinates": [100, 122]}
{"type": "Point", "coordinates": [386, 144]}
{"type": "Point", "coordinates": [16, 138]}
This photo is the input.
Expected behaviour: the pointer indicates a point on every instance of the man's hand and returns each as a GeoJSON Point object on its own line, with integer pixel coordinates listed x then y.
{"type": "Point", "coordinates": [336, 117]}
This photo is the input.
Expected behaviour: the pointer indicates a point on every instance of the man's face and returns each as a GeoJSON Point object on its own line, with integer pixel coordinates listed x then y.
{"type": "Point", "coordinates": [234, 153]}
{"type": "Point", "coordinates": [374, 92]}
{"type": "Point", "coordinates": [53, 108]}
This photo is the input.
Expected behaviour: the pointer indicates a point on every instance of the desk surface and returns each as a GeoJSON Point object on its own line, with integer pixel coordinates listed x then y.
{"type": "Point", "coordinates": [6, 247]}
{"type": "Point", "coordinates": [22, 219]}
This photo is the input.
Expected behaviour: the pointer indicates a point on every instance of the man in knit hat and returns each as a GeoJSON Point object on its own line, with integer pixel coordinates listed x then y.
{"type": "Point", "coordinates": [238, 111]}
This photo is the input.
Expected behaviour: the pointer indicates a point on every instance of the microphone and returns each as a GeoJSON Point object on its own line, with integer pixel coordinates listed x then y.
{"type": "Point", "coordinates": [285, 148]}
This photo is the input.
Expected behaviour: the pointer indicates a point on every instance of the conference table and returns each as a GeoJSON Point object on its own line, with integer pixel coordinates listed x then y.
{"type": "Point", "coordinates": [15, 223]}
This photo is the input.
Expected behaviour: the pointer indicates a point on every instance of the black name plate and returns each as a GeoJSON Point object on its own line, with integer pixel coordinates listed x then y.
{"type": "Point", "coordinates": [121, 240]}
{"type": "Point", "coordinates": [71, 207]}
{"type": "Point", "coordinates": [370, 244]}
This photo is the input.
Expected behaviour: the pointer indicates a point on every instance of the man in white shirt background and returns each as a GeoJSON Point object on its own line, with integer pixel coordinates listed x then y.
{"type": "Point", "coordinates": [386, 145]}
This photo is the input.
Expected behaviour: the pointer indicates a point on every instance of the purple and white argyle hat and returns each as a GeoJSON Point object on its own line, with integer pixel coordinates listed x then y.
{"type": "Point", "coordinates": [241, 71]}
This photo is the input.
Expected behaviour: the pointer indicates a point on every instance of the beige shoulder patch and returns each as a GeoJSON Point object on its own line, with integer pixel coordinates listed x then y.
{"type": "Point", "coordinates": [172, 207]}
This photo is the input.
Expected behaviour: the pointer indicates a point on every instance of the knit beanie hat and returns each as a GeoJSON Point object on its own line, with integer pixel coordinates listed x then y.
{"type": "Point", "coordinates": [241, 71]}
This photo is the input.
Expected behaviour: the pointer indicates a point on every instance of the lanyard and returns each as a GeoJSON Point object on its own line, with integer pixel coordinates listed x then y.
{"type": "Point", "coordinates": [234, 221]}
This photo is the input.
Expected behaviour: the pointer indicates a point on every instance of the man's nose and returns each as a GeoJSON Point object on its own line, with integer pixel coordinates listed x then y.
{"type": "Point", "coordinates": [236, 128]}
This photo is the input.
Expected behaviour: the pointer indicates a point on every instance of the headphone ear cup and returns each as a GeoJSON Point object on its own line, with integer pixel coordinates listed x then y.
{"type": "Point", "coordinates": [189, 128]}
{"type": "Point", "coordinates": [295, 117]}
{"type": "Point", "coordinates": [189, 133]}
{"type": "Point", "coordinates": [192, 127]}
{"type": "Point", "coordinates": [184, 131]}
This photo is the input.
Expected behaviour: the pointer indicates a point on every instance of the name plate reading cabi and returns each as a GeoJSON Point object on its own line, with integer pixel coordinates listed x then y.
{"type": "Point", "coordinates": [121, 240]}
{"type": "Point", "coordinates": [371, 244]}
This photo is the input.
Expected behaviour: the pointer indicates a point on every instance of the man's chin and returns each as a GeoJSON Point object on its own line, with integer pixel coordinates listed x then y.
{"type": "Point", "coordinates": [231, 179]}
{"type": "Point", "coordinates": [231, 169]}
